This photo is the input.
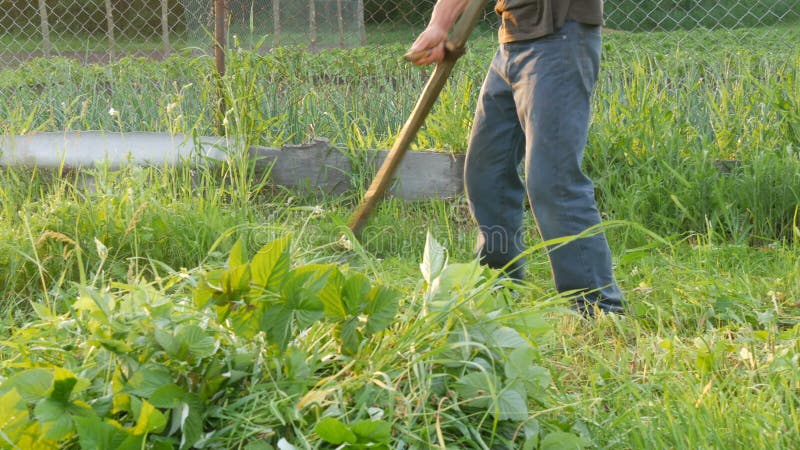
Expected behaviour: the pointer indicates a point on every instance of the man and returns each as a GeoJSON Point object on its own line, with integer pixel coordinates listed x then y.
{"type": "Point", "coordinates": [534, 107]}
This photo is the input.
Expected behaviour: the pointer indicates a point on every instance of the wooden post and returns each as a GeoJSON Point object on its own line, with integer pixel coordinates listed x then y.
{"type": "Point", "coordinates": [112, 44]}
{"type": "Point", "coordinates": [276, 22]}
{"type": "Point", "coordinates": [165, 26]}
{"type": "Point", "coordinates": [362, 29]}
{"type": "Point", "coordinates": [219, 54]}
{"type": "Point", "coordinates": [341, 22]}
{"type": "Point", "coordinates": [45, 28]}
{"type": "Point", "coordinates": [312, 23]}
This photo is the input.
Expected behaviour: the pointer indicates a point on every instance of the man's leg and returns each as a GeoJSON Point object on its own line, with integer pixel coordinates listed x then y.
{"type": "Point", "coordinates": [553, 79]}
{"type": "Point", "coordinates": [494, 189]}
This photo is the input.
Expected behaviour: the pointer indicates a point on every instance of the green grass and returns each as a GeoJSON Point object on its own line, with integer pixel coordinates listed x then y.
{"type": "Point", "coordinates": [103, 277]}
{"type": "Point", "coordinates": [704, 358]}
{"type": "Point", "coordinates": [668, 109]}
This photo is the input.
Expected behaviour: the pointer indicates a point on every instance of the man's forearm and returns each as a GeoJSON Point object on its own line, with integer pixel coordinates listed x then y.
{"type": "Point", "coordinates": [445, 13]}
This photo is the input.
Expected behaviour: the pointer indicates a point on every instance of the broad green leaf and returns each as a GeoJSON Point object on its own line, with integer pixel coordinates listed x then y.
{"type": "Point", "coordinates": [276, 322]}
{"type": "Point", "coordinates": [132, 442]}
{"type": "Point", "coordinates": [296, 364]}
{"type": "Point", "coordinates": [63, 383]}
{"type": "Point", "coordinates": [271, 264]}
{"type": "Point", "coordinates": [85, 303]}
{"type": "Point", "coordinates": [236, 282]}
{"type": "Point", "coordinates": [43, 311]}
{"type": "Point", "coordinates": [349, 336]}
{"type": "Point", "coordinates": [531, 428]}
{"type": "Point", "coordinates": [32, 437]}
{"type": "Point", "coordinates": [519, 366]}
{"type": "Point", "coordinates": [512, 403]}
{"type": "Point", "coordinates": [98, 305]}
{"type": "Point", "coordinates": [454, 280]}
{"type": "Point", "coordinates": [300, 304]}
{"type": "Point", "coordinates": [150, 419]}
{"type": "Point", "coordinates": [167, 341]}
{"type": "Point", "coordinates": [168, 396]}
{"type": "Point", "coordinates": [115, 346]}
{"type": "Point", "coordinates": [208, 289]}
{"type": "Point", "coordinates": [538, 377]}
{"type": "Point", "coordinates": [237, 255]}
{"type": "Point", "coordinates": [463, 276]}
{"type": "Point", "coordinates": [382, 309]}
{"type": "Point", "coordinates": [433, 259]}
{"type": "Point", "coordinates": [332, 299]}
{"type": "Point", "coordinates": [372, 431]}
{"type": "Point", "coordinates": [191, 421]}
{"type": "Point", "coordinates": [506, 337]}
{"type": "Point", "coordinates": [32, 384]}
{"type": "Point", "coordinates": [355, 293]}
{"type": "Point", "coordinates": [519, 363]}
{"type": "Point", "coordinates": [95, 433]}
{"type": "Point", "coordinates": [199, 343]}
{"type": "Point", "coordinates": [54, 418]}
{"type": "Point", "coordinates": [13, 414]}
{"type": "Point", "coordinates": [560, 440]}
{"type": "Point", "coordinates": [246, 320]}
{"type": "Point", "coordinates": [102, 406]}
{"type": "Point", "coordinates": [147, 379]}
{"type": "Point", "coordinates": [334, 432]}
{"type": "Point", "coordinates": [303, 288]}
{"type": "Point", "coordinates": [529, 322]}
{"type": "Point", "coordinates": [477, 388]}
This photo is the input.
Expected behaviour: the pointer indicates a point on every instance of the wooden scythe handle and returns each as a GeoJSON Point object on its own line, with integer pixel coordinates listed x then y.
{"type": "Point", "coordinates": [455, 48]}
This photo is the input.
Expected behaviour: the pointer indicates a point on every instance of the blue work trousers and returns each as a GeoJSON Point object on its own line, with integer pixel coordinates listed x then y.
{"type": "Point", "coordinates": [534, 106]}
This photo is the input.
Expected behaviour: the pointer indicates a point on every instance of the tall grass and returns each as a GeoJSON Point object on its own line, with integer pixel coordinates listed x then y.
{"type": "Point", "coordinates": [688, 137]}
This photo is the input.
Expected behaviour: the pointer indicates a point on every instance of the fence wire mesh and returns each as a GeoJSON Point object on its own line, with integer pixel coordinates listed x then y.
{"type": "Point", "coordinates": [103, 30]}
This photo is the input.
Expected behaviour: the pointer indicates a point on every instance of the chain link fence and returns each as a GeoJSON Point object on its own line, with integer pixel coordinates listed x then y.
{"type": "Point", "coordinates": [103, 30]}
{"type": "Point", "coordinates": [97, 30]}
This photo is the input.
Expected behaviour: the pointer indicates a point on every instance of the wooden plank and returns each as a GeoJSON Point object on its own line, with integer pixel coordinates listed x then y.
{"type": "Point", "coordinates": [362, 29]}
{"type": "Point", "coordinates": [340, 21]}
{"type": "Point", "coordinates": [220, 44]}
{"type": "Point", "coordinates": [112, 43]}
{"type": "Point", "coordinates": [312, 24]}
{"type": "Point", "coordinates": [45, 24]}
{"type": "Point", "coordinates": [165, 26]}
{"type": "Point", "coordinates": [276, 22]}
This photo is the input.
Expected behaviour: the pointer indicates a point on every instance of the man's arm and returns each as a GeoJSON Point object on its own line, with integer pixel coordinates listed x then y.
{"type": "Point", "coordinates": [429, 46]}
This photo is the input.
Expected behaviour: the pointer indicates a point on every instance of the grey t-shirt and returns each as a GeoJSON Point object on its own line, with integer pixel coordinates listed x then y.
{"type": "Point", "coordinates": [531, 19]}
